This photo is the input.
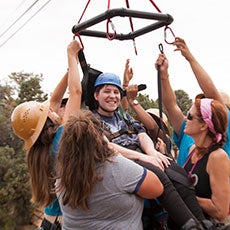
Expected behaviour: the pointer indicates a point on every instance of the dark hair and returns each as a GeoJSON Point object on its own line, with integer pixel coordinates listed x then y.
{"type": "Point", "coordinates": [83, 149]}
{"type": "Point", "coordinates": [41, 165]}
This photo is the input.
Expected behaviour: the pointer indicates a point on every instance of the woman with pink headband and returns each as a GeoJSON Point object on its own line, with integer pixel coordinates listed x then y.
{"type": "Point", "coordinates": [208, 164]}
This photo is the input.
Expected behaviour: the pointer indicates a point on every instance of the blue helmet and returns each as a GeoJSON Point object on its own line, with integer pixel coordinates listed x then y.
{"type": "Point", "coordinates": [108, 79]}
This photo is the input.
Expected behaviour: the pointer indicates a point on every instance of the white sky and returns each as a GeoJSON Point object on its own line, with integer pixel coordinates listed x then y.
{"type": "Point", "coordinates": [40, 46]}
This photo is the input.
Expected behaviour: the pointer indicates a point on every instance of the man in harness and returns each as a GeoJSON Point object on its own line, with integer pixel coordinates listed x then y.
{"type": "Point", "coordinates": [120, 127]}
{"type": "Point", "coordinates": [129, 138]}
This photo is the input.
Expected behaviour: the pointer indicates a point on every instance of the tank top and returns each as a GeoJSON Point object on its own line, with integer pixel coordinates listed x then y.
{"type": "Point", "coordinates": [198, 174]}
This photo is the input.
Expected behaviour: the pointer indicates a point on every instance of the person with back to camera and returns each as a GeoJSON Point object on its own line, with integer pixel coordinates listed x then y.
{"type": "Point", "coordinates": [97, 187]}
{"type": "Point", "coordinates": [207, 137]}
{"type": "Point", "coordinates": [40, 127]}
{"type": "Point", "coordinates": [128, 137]}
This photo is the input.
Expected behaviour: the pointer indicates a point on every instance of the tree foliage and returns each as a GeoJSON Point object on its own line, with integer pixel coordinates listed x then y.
{"type": "Point", "coordinates": [145, 102]}
{"type": "Point", "coordinates": [14, 177]}
{"type": "Point", "coordinates": [14, 189]}
{"type": "Point", "coordinates": [28, 87]}
{"type": "Point", "coordinates": [183, 100]}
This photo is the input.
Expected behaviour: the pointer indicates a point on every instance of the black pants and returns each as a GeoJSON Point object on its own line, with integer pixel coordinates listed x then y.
{"type": "Point", "coordinates": [178, 198]}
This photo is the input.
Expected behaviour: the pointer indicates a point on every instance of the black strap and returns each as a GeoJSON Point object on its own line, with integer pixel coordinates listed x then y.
{"type": "Point", "coordinates": [122, 131]}
{"type": "Point", "coordinates": [178, 177]}
{"type": "Point", "coordinates": [168, 147]}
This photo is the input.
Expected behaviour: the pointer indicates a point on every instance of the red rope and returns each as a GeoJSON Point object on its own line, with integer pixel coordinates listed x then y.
{"type": "Point", "coordinates": [132, 28]}
{"type": "Point", "coordinates": [77, 34]}
{"type": "Point", "coordinates": [83, 11]}
{"type": "Point", "coordinates": [166, 27]}
{"type": "Point", "coordinates": [108, 7]}
{"type": "Point", "coordinates": [155, 6]}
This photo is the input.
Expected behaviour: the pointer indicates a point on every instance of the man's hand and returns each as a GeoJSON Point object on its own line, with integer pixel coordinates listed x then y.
{"type": "Point", "coordinates": [128, 74]}
{"type": "Point", "coordinates": [131, 93]}
{"type": "Point", "coordinates": [158, 160]}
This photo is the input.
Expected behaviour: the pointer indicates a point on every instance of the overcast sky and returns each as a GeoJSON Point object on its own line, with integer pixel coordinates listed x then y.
{"type": "Point", "coordinates": [40, 46]}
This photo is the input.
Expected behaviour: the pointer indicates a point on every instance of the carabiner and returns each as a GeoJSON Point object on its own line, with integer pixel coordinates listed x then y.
{"type": "Point", "coordinates": [78, 35]}
{"type": "Point", "coordinates": [107, 30]}
{"type": "Point", "coordinates": [165, 34]}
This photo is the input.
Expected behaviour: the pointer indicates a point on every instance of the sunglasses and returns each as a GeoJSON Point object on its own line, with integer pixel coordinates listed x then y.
{"type": "Point", "coordinates": [190, 117]}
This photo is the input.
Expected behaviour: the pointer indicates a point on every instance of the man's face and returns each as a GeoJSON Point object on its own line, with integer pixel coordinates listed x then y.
{"type": "Point", "coordinates": [109, 98]}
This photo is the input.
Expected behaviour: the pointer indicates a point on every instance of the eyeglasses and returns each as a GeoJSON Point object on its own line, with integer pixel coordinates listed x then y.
{"type": "Point", "coordinates": [190, 117]}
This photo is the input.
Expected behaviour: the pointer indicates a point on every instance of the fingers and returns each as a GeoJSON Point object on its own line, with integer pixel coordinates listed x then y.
{"type": "Point", "coordinates": [179, 43]}
{"type": "Point", "coordinates": [127, 63]}
{"type": "Point", "coordinates": [160, 60]}
{"type": "Point", "coordinates": [75, 45]}
{"type": "Point", "coordinates": [131, 92]}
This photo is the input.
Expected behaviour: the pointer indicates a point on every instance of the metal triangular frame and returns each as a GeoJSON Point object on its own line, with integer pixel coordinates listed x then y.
{"type": "Point", "coordinates": [159, 18]}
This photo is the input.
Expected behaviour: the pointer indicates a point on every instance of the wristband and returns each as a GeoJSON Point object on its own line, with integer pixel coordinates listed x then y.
{"type": "Point", "coordinates": [135, 102]}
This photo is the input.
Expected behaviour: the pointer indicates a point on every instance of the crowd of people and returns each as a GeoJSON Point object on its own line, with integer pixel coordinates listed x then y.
{"type": "Point", "coordinates": [98, 169]}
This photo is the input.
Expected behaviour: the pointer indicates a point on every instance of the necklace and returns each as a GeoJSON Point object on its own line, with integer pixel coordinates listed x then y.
{"type": "Point", "coordinates": [193, 177]}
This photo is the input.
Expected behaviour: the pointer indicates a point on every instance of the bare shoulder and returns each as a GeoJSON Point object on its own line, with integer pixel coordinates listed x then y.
{"type": "Point", "coordinates": [218, 154]}
{"type": "Point", "coordinates": [218, 159]}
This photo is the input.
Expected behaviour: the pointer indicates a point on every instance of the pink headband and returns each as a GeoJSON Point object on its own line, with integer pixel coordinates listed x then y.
{"type": "Point", "coordinates": [206, 112]}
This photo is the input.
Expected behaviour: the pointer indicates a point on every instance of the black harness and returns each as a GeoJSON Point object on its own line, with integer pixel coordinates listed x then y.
{"type": "Point", "coordinates": [129, 129]}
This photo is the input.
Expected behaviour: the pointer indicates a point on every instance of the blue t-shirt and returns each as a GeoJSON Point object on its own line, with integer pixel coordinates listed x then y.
{"type": "Point", "coordinates": [184, 142]}
{"type": "Point", "coordinates": [54, 209]}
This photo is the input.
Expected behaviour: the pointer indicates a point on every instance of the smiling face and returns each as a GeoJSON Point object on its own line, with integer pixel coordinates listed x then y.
{"type": "Point", "coordinates": [109, 98]}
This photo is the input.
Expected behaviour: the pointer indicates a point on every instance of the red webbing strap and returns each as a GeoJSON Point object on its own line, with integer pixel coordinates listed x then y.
{"type": "Point", "coordinates": [131, 25]}
{"type": "Point", "coordinates": [77, 34]}
{"type": "Point", "coordinates": [166, 27]}
{"type": "Point", "coordinates": [83, 11]}
{"type": "Point", "coordinates": [108, 7]}
{"type": "Point", "coordinates": [155, 6]}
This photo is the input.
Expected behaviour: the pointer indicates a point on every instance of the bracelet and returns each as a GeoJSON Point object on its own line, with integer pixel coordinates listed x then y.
{"type": "Point", "coordinates": [135, 102]}
{"type": "Point", "coordinates": [165, 78]}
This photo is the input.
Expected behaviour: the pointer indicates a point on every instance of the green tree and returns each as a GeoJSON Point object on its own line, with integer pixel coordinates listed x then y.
{"type": "Point", "coordinates": [28, 87]}
{"type": "Point", "coordinates": [16, 208]}
{"type": "Point", "coordinates": [7, 104]}
{"type": "Point", "coordinates": [15, 193]}
{"type": "Point", "coordinates": [183, 100]}
{"type": "Point", "coordinates": [145, 102]}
